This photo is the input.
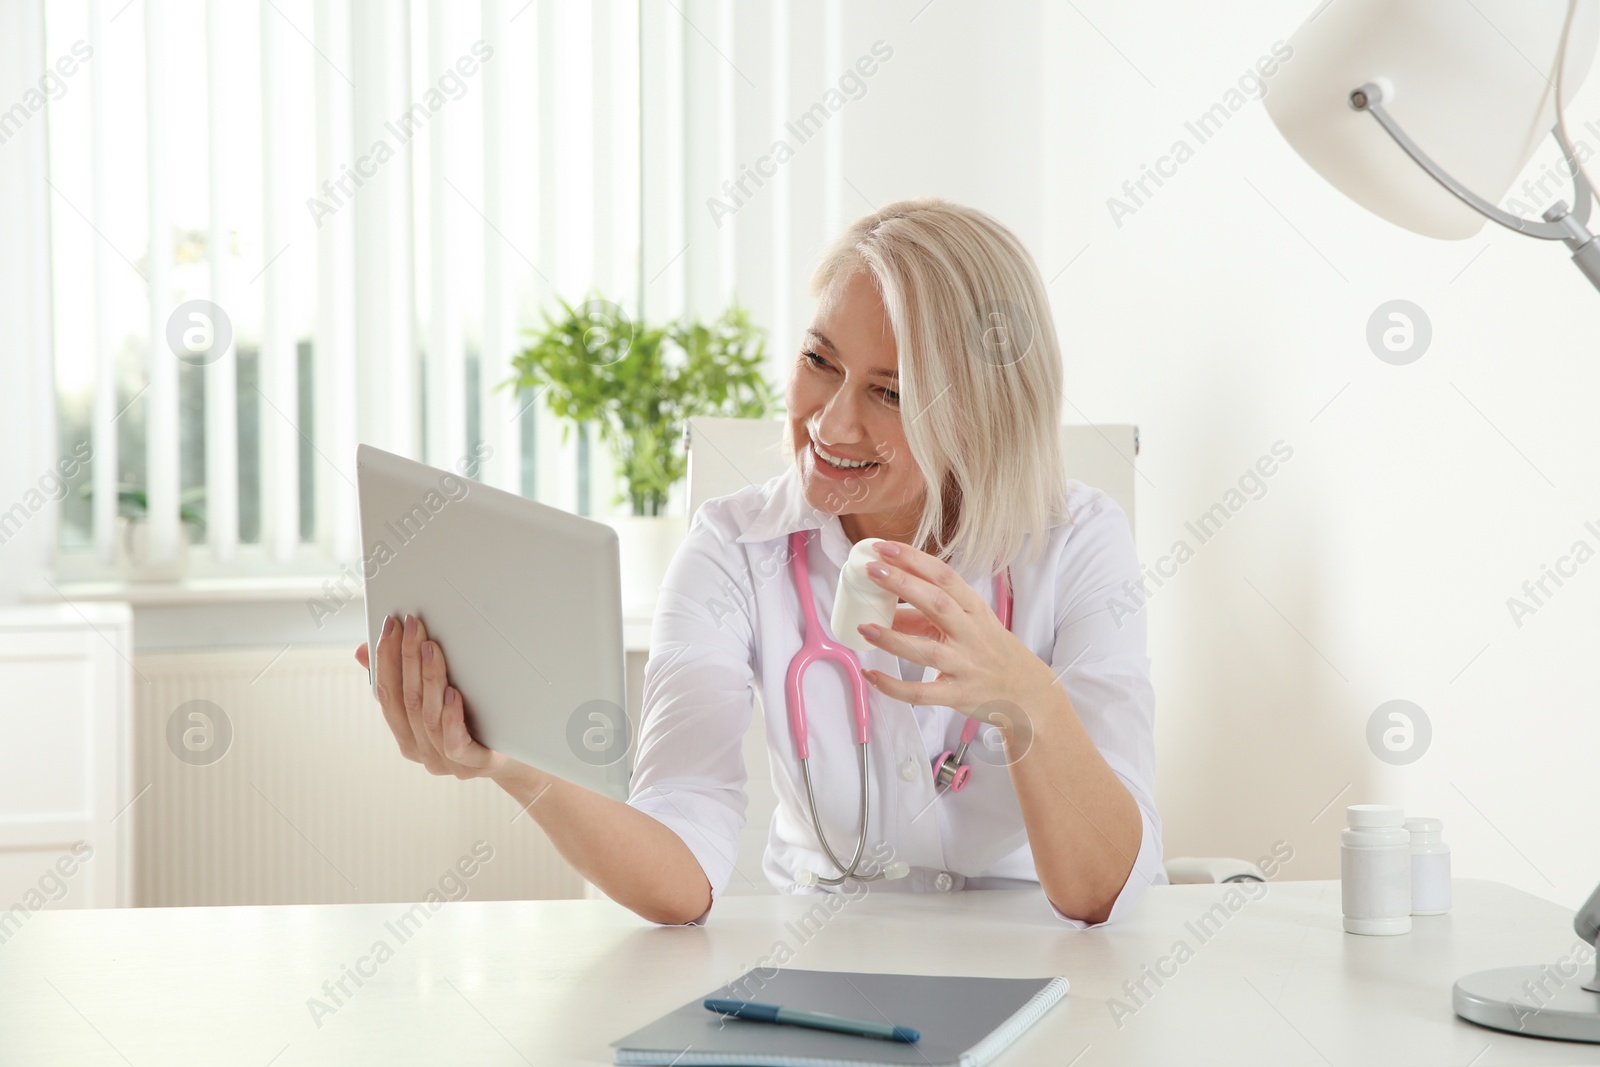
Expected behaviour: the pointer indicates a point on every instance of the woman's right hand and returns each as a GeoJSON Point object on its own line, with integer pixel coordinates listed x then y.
{"type": "Point", "coordinates": [634, 858]}
{"type": "Point", "coordinates": [425, 712]}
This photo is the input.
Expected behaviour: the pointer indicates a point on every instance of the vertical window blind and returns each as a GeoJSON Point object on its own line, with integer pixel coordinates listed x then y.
{"type": "Point", "coordinates": [357, 207]}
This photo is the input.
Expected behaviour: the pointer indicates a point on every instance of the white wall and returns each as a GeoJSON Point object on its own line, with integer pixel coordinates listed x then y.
{"type": "Point", "coordinates": [24, 413]}
{"type": "Point", "coordinates": [1378, 564]}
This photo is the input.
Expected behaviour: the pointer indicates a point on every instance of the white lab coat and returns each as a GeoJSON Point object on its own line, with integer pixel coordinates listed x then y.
{"type": "Point", "coordinates": [727, 624]}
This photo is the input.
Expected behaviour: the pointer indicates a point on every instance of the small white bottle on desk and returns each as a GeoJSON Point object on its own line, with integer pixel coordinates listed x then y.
{"type": "Point", "coordinates": [1430, 867]}
{"type": "Point", "coordinates": [1375, 870]}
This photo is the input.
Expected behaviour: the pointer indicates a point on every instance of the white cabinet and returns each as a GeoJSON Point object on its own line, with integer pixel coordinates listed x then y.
{"type": "Point", "coordinates": [66, 699]}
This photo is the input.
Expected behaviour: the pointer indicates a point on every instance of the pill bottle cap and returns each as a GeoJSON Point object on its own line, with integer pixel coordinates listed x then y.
{"type": "Point", "coordinates": [1425, 826]}
{"type": "Point", "coordinates": [854, 570]}
{"type": "Point", "coordinates": [864, 550]}
{"type": "Point", "coordinates": [1375, 815]}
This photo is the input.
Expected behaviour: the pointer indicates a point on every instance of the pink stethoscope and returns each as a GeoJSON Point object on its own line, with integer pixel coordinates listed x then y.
{"type": "Point", "coordinates": [949, 768]}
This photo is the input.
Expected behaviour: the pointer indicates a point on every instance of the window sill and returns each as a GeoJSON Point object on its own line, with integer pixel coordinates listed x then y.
{"type": "Point", "coordinates": [276, 592]}
{"type": "Point", "coordinates": [186, 591]}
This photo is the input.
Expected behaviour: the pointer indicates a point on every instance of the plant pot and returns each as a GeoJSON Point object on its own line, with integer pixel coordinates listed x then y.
{"type": "Point", "coordinates": [646, 544]}
{"type": "Point", "coordinates": [133, 553]}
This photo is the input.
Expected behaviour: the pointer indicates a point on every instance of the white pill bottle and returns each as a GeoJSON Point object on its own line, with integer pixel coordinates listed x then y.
{"type": "Point", "coordinates": [1375, 870]}
{"type": "Point", "coordinates": [859, 599]}
{"type": "Point", "coordinates": [1430, 867]}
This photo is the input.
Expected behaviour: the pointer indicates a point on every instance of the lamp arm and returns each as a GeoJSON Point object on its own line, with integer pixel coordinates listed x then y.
{"type": "Point", "coordinates": [1587, 925]}
{"type": "Point", "coordinates": [1560, 223]}
{"type": "Point", "coordinates": [1582, 194]}
{"type": "Point", "coordinates": [1369, 98]}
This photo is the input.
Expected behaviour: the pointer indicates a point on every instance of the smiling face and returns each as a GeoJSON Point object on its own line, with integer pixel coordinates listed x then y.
{"type": "Point", "coordinates": [844, 412]}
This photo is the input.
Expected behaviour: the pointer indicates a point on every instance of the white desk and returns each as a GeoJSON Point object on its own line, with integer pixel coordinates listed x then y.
{"type": "Point", "coordinates": [552, 982]}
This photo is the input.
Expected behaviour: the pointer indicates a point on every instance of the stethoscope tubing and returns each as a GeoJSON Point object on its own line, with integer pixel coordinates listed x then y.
{"type": "Point", "coordinates": [849, 871]}
{"type": "Point", "coordinates": [815, 646]}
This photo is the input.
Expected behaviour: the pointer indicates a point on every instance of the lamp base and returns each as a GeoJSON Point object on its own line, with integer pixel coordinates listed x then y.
{"type": "Point", "coordinates": [1512, 999]}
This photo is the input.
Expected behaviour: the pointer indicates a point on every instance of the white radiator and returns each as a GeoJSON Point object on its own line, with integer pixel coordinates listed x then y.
{"type": "Point", "coordinates": [310, 801]}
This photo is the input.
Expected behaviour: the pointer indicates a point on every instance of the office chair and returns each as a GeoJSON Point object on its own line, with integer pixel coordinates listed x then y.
{"type": "Point", "coordinates": [725, 455]}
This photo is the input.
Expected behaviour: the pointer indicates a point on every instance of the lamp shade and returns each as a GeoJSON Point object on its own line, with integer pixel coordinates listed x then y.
{"type": "Point", "coordinates": [1471, 83]}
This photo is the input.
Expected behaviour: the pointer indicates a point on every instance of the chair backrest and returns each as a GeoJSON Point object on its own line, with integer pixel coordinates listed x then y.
{"type": "Point", "coordinates": [725, 455]}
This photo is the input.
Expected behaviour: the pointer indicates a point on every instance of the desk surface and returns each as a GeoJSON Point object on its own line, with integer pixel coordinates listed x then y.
{"type": "Point", "coordinates": [553, 982]}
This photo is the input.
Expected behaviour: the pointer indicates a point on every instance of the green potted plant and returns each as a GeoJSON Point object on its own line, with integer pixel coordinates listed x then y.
{"type": "Point", "coordinates": [133, 531]}
{"type": "Point", "coordinates": [636, 385]}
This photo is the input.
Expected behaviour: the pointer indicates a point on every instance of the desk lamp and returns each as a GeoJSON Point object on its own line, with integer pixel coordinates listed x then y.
{"type": "Point", "coordinates": [1425, 112]}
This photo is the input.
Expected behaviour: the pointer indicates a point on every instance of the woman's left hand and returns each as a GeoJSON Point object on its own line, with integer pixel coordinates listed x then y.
{"type": "Point", "coordinates": [949, 628]}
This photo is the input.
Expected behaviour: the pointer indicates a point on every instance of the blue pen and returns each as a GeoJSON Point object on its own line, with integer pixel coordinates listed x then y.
{"type": "Point", "coordinates": [816, 1020]}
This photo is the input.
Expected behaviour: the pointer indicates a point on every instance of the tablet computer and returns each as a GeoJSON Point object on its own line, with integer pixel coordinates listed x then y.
{"type": "Point", "coordinates": [524, 600]}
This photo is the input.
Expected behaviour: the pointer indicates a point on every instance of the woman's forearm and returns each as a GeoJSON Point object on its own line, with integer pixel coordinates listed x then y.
{"type": "Point", "coordinates": [1083, 825]}
{"type": "Point", "coordinates": [634, 859]}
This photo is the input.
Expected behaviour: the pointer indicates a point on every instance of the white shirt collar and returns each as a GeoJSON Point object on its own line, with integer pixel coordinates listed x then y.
{"type": "Point", "coordinates": [785, 510]}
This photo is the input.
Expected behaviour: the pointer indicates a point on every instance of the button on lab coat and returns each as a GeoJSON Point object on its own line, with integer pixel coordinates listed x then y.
{"type": "Point", "coordinates": [727, 623]}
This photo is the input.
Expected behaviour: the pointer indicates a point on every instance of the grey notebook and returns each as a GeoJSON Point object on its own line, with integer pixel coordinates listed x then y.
{"type": "Point", "coordinates": [964, 1022]}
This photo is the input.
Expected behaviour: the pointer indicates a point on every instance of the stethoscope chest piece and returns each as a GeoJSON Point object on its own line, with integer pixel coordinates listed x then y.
{"type": "Point", "coordinates": [949, 772]}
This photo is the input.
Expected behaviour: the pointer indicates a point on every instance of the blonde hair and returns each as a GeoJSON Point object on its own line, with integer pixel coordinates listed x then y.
{"type": "Point", "coordinates": [980, 372]}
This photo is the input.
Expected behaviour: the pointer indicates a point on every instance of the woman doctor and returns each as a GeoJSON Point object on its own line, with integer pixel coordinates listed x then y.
{"type": "Point", "coordinates": [923, 407]}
